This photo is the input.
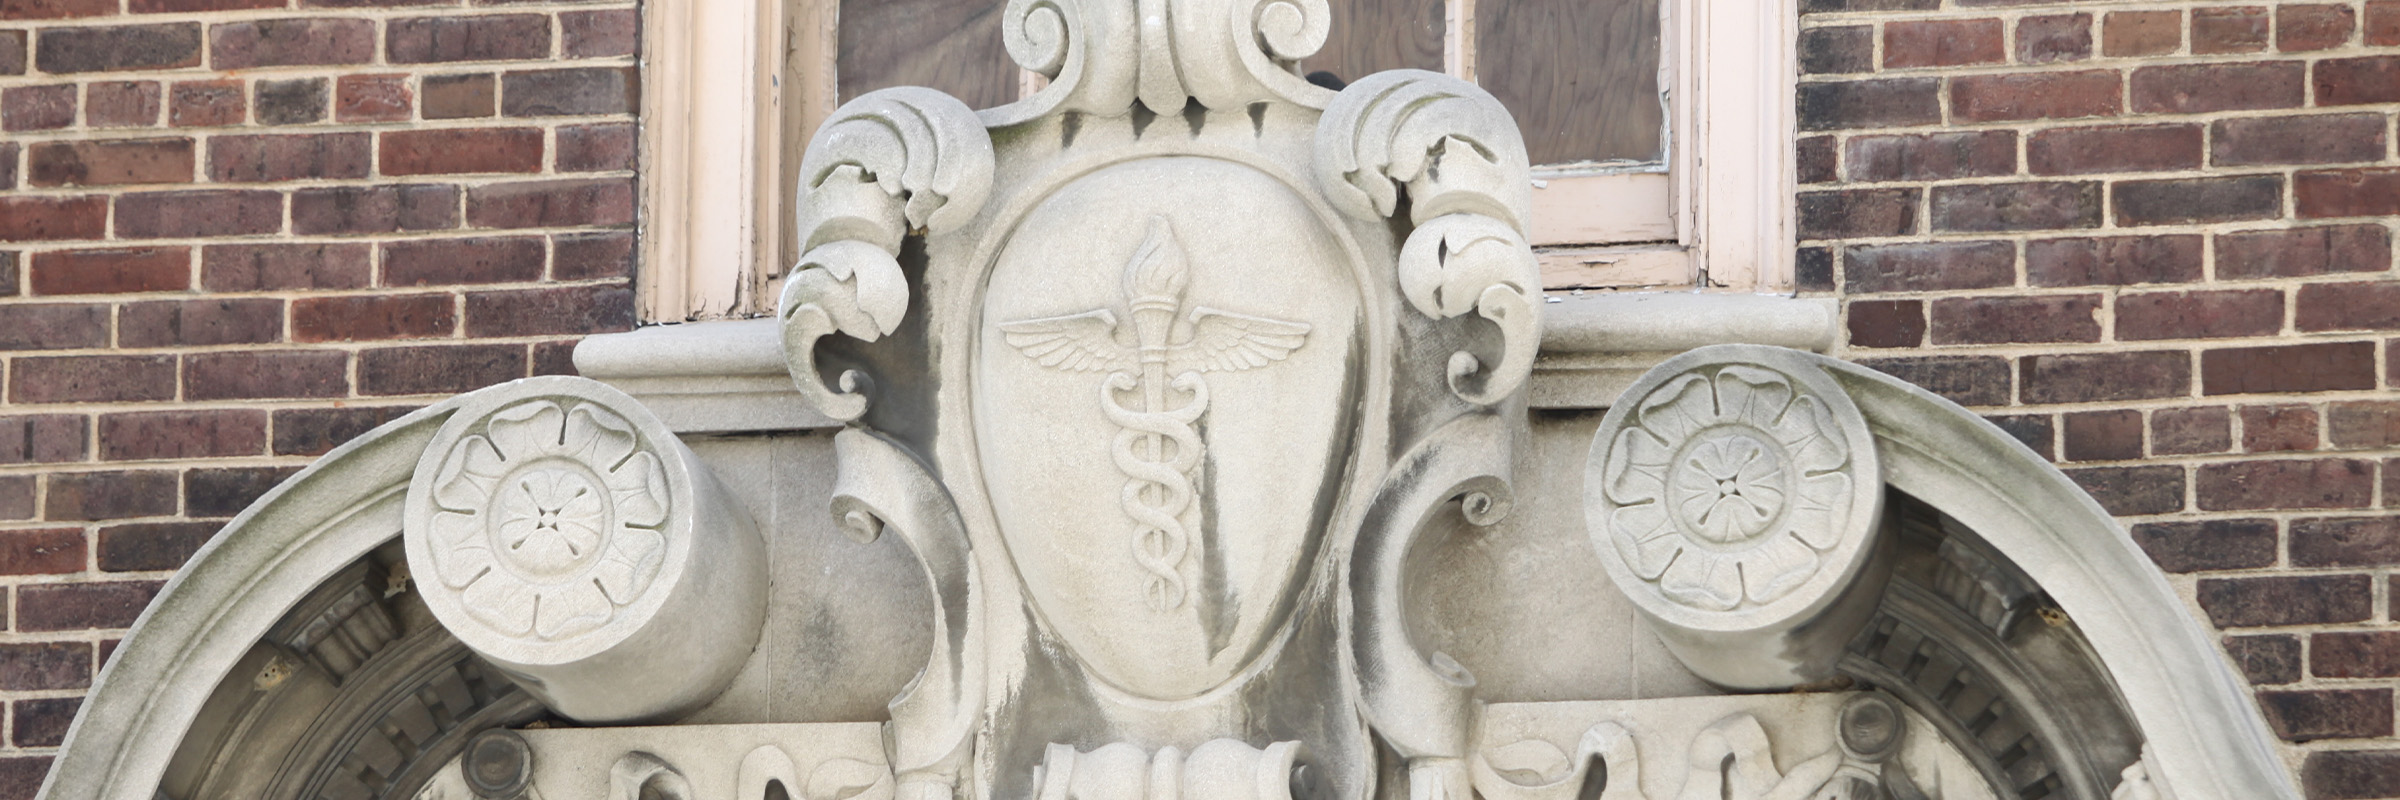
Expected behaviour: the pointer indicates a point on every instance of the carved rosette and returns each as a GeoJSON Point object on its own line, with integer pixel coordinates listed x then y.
{"type": "Point", "coordinates": [1734, 495]}
{"type": "Point", "coordinates": [565, 535]}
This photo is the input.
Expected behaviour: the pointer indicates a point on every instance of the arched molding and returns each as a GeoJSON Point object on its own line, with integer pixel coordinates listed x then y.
{"type": "Point", "coordinates": [2206, 739]}
{"type": "Point", "coordinates": [226, 598]}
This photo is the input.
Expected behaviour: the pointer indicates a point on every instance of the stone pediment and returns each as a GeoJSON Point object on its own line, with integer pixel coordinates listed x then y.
{"type": "Point", "coordinates": [1195, 432]}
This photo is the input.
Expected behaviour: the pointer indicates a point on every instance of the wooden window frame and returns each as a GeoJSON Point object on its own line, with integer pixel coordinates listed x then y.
{"type": "Point", "coordinates": [724, 79]}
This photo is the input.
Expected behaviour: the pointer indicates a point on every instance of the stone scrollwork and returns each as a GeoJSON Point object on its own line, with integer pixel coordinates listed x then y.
{"type": "Point", "coordinates": [1734, 497]}
{"type": "Point", "coordinates": [1101, 57]}
{"type": "Point", "coordinates": [564, 535]}
{"type": "Point", "coordinates": [887, 164]}
{"type": "Point", "coordinates": [1454, 154]}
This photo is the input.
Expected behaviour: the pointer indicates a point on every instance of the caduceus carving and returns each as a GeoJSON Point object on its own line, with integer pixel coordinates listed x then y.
{"type": "Point", "coordinates": [1155, 445]}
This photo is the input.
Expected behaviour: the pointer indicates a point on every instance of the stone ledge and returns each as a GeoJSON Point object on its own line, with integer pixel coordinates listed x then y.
{"type": "Point", "coordinates": [728, 377]}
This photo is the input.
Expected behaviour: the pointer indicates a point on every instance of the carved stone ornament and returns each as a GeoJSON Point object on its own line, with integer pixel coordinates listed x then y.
{"type": "Point", "coordinates": [1734, 496]}
{"type": "Point", "coordinates": [560, 532]}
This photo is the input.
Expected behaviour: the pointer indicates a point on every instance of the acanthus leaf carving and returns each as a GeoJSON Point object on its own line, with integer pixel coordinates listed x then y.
{"type": "Point", "coordinates": [1103, 55]}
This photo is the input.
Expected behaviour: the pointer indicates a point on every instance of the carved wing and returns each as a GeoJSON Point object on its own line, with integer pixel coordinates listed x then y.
{"type": "Point", "coordinates": [1083, 342]}
{"type": "Point", "coordinates": [1223, 341]}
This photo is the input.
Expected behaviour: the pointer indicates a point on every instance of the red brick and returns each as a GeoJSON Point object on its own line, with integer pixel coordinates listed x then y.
{"type": "Point", "coordinates": [2113, 261]}
{"type": "Point", "coordinates": [2286, 600]}
{"type": "Point", "coordinates": [225, 492]}
{"type": "Point", "coordinates": [2358, 81]}
{"type": "Point", "coordinates": [2054, 38]}
{"type": "Point", "coordinates": [355, 318]}
{"type": "Point", "coordinates": [1988, 207]}
{"type": "Point", "coordinates": [277, 158]}
{"type": "Point", "coordinates": [2326, 367]}
{"type": "Point", "coordinates": [2363, 424]}
{"type": "Point", "coordinates": [189, 323]}
{"type": "Point", "coordinates": [118, 47]}
{"type": "Point", "coordinates": [2346, 541]}
{"type": "Point", "coordinates": [2199, 315]}
{"type": "Point", "coordinates": [461, 96]}
{"type": "Point", "coordinates": [2215, 544]}
{"type": "Point", "coordinates": [2229, 30]}
{"type": "Point", "coordinates": [438, 369]}
{"type": "Point", "coordinates": [83, 606]}
{"type": "Point", "coordinates": [374, 209]}
{"type": "Point", "coordinates": [266, 374]}
{"type": "Point", "coordinates": [421, 40]}
{"type": "Point", "coordinates": [551, 204]}
{"type": "Point", "coordinates": [2000, 320]}
{"type": "Point", "coordinates": [1965, 380]}
{"type": "Point", "coordinates": [2106, 377]}
{"type": "Point", "coordinates": [197, 104]}
{"type": "Point", "coordinates": [2302, 252]}
{"type": "Point", "coordinates": [426, 262]}
{"type": "Point", "coordinates": [42, 723]}
{"type": "Point", "coordinates": [611, 146]}
{"type": "Point", "coordinates": [2142, 33]}
{"type": "Point", "coordinates": [298, 101]}
{"type": "Point", "coordinates": [1813, 158]}
{"type": "Point", "coordinates": [1933, 266]}
{"type": "Point", "coordinates": [2113, 148]}
{"type": "Point", "coordinates": [53, 326]}
{"type": "Point", "coordinates": [2307, 483]}
{"type": "Point", "coordinates": [2186, 431]}
{"type": "Point", "coordinates": [2309, 715]}
{"type": "Point", "coordinates": [110, 162]}
{"type": "Point", "coordinates": [2366, 305]}
{"type": "Point", "coordinates": [2318, 139]}
{"type": "Point", "coordinates": [2382, 26]}
{"type": "Point", "coordinates": [46, 551]}
{"type": "Point", "coordinates": [1885, 103]}
{"type": "Point", "coordinates": [121, 104]}
{"type": "Point", "coordinates": [2041, 95]}
{"type": "Point", "coordinates": [2391, 498]}
{"type": "Point", "coordinates": [2355, 654]}
{"type": "Point", "coordinates": [2279, 428]}
{"type": "Point", "coordinates": [313, 431]}
{"type": "Point", "coordinates": [2200, 88]}
{"type": "Point", "coordinates": [203, 212]}
{"type": "Point", "coordinates": [2132, 491]}
{"type": "Point", "coordinates": [152, 435]}
{"type": "Point", "coordinates": [193, 6]}
{"type": "Point", "coordinates": [550, 310]}
{"type": "Point", "coordinates": [43, 438]}
{"type": "Point", "coordinates": [2266, 660]}
{"type": "Point", "coordinates": [1855, 213]}
{"type": "Point", "coordinates": [588, 256]}
{"type": "Point", "coordinates": [1942, 43]}
{"type": "Point", "coordinates": [2037, 431]}
{"type": "Point", "coordinates": [16, 502]}
{"type": "Point", "coordinates": [8, 166]}
{"type": "Point", "coordinates": [278, 267]}
{"type": "Point", "coordinates": [555, 358]}
{"type": "Point", "coordinates": [372, 98]}
{"type": "Point", "coordinates": [1887, 323]}
{"type": "Point", "coordinates": [1932, 156]}
{"type": "Point", "coordinates": [430, 152]}
{"type": "Point", "coordinates": [91, 379]}
{"type": "Point", "coordinates": [2351, 774]}
{"type": "Point", "coordinates": [38, 666]}
{"type": "Point", "coordinates": [2102, 435]}
{"type": "Point", "coordinates": [2188, 200]}
{"type": "Point", "coordinates": [291, 42]}
{"type": "Point", "coordinates": [2300, 28]}
{"type": "Point", "coordinates": [110, 495]}
{"type": "Point", "coordinates": [32, 218]}
{"type": "Point", "coordinates": [37, 108]}
{"type": "Point", "coordinates": [571, 92]}
{"type": "Point", "coordinates": [2347, 193]}
{"type": "Point", "coordinates": [152, 546]}
{"type": "Point", "coordinates": [1836, 50]}
{"type": "Point", "coordinates": [12, 52]}
{"type": "Point", "coordinates": [112, 271]}
{"type": "Point", "coordinates": [56, 9]}
{"type": "Point", "coordinates": [600, 34]}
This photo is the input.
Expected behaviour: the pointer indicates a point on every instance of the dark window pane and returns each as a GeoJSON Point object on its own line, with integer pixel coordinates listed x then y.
{"type": "Point", "coordinates": [951, 45]}
{"type": "Point", "coordinates": [1370, 36]}
{"type": "Point", "coordinates": [1581, 75]}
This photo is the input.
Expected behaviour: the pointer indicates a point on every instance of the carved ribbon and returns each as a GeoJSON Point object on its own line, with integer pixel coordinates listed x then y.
{"type": "Point", "coordinates": [934, 719]}
{"type": "Point", "coordinates": [1102, 55]}
{"type": "Point", "coordinates": [887, 164]}
{"type": "Point", "coordinates": [1420, 703]}
{"type": "Point", "coordinates": [1456, 154]}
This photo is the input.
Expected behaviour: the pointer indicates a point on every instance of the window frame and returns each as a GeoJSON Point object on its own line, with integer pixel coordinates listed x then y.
{"type": "Point", "coordinates": [725, 78]}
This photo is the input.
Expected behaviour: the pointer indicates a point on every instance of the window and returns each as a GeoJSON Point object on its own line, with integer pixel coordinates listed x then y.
{"type": "Point", "coordinates": [1660, 129]}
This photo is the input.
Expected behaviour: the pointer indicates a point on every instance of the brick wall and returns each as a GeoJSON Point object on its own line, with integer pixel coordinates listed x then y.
{"type": "Point", "coordinates": [234, 233]}
{"type": "Point", "coordinates": [2154, 241]}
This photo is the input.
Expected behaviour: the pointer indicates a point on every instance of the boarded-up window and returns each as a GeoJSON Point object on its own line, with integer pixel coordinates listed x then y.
{"type": "Point", "coordinates": [1370, 36]}
{"type": "Point", "coordinates": [950, 45]}
{"type": "Point", "coordinates": [1581, 76]}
